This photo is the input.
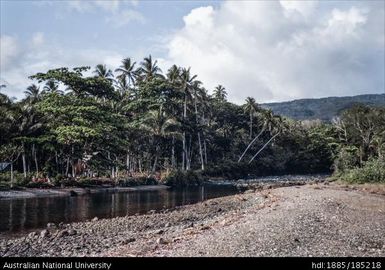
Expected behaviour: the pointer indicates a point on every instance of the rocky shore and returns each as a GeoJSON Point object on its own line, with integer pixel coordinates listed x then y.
{"type": "Point", "coordinates": [310, 220]}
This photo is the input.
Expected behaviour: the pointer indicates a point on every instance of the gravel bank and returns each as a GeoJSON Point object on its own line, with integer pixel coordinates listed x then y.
{"type": "Point", "coordinates": [309, 220]}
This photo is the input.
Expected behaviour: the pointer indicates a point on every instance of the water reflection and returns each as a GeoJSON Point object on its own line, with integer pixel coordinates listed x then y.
{"type": "Point", "coordinates": [23, 214]}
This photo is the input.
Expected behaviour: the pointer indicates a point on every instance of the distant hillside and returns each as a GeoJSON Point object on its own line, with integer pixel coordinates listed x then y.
{"type": "Point", "coordinates": [322, 108]}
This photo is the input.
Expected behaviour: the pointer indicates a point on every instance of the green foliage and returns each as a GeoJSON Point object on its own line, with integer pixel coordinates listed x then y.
{"type": "Point", "coordinates": [143, 123]}
{"type": "Point", "coordinates": [137, 181]}
{"type": "Point", "coordinates": [184, 178]}
{"type": "Point", "coordinates": [373, 171]}
{"type": "Point", "coordinates": [229, 170]}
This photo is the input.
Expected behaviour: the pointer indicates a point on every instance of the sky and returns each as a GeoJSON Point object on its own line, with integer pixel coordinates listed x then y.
{"type": "Point", "coordinates": [269, 50]}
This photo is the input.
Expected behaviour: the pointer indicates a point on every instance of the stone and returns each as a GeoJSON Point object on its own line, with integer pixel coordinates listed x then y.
{"type": "Point", "coordinates": [63, 233]}
{"type": "Point", "coordinates": [159, 232]}
{"type": "Point", "coordinates": [167, 225]}
{"type": "Point", "coordinates": [51, 225]}
{"type": "Point", "coordinates": [44, 233]}
{"type": "Point", "coordinates": [128, 240]}
{"type": "Point", "coordinates": [161, 241]}
{"type": "Point", "coordinates": [248, 191]}
{"type": "Point", "coordinates": [72, 232]}
{"type": "Point", "coordinates": [32, 234]}
{"type": "Point", "coordinates": [95, 219]}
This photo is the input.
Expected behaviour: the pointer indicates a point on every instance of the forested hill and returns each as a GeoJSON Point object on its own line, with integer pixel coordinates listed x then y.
{"type": "Point", "coordinates": [322, 108]}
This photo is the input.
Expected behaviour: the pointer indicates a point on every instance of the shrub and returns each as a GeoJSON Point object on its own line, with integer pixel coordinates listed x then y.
{"type": "Point", "coordinates": [347, 159]}
{"type": "Point", "coordinates": [373, 171]}
{"type": "Point", "coordinates": [228, 170]}
{"type": "Point", "coordinates": [184, 178]}
{"type": "Point", "coordinates": [137, 181]}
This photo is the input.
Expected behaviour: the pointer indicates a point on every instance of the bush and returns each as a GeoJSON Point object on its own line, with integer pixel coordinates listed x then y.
{"type": "Point", "coordinates": [373, 171]}
{"type": "Point", "coordinates": [137, 181]}
{"type": "Point", "coordinates": [184, 178]}
{"type": "Point", "coordinates": [228, 170]}
{"type": "Point", "coordinates": [347, 159]}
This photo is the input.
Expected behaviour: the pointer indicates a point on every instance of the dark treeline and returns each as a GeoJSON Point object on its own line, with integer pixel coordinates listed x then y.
{"type": "Point", "coordinates": [140, 121]}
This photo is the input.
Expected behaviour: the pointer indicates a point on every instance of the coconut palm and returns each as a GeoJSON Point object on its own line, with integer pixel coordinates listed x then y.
{"type": "Point", "coordinates": [220, 93]}
{"type": "Point", "coordinates": [251, 107]}
{"type": "Point", "coordinates": [32, 91]}
{"type": "Point", "coordinates": [103, 72]}
{"type": "Point", "coordinates": [127, 71]}
{"type": "Point", "coordinates": [148, 69]}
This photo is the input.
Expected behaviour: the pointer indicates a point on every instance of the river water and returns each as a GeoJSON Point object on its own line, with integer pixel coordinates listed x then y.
{"type": "Point", "coordinates": [23, 214]}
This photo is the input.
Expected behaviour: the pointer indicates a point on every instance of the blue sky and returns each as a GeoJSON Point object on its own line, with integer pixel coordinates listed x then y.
{"type": "Point", "coordinates": [272, 50]}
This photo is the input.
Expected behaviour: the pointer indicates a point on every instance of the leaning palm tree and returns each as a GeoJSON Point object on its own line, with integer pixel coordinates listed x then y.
{"type": "Point", "coordinates": [276, 125]}
{"type": "Point", "coordinates": [103, 72]}
{"type": "Point", "coordinates": [127, 71]}
{"type": "Point", "coordinates": [268, 124]}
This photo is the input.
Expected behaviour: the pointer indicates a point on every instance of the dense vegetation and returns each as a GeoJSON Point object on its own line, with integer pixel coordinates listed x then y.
{"type": "Point", "coordinates": [138, 125]}
{"type": "Point", "coordinates": [324, 109]}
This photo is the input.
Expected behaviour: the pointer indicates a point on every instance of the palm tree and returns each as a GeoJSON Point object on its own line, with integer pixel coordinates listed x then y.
{"type": "Point", "coordinates": [32, 92]}
{"type": "Point", "coordinates": [127, 72]}
{"type": "Point", "coordinates": [160, 125]}
{"type": "Point", "coordinates": [268, 124]}
{"type": "Point", "coordinates": [275, 124]}
{"type": "Point", "coordinates": [220, 93]}
{"type": "Point", "coordinates": [52, 86]}
{"type": "Point", "coordinates": [187, 87]}
{"type": "Point", "coordinates": [102, 72]}
{"type": "Point", "coordinates": [251, 107]}
{"type": "Point", "coordinates": [173, 74]}
{"type": "Point", "coordinates": [148, 69]}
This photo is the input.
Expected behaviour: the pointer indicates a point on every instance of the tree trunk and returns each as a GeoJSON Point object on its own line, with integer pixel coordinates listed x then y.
{"type": "Point", "coordinates": [173, 165]}
{"type": "Point", "coordinates": [263, 147]}
{"type": "Point", "coordinates": [11, 174]}
{"type": "Point", "coordinates": [35, 158]}
{"type": "Point", "coordinates": [199, 136]}
{"type": "Point", "coordinates": [205, 148]}
{"type": "Point", "coordinates": [251, 124]}
{"type": "Point", "coordinates": [184, 151]}
{"type": "Point", "coordinates": [250, 144]}
{"type": "Point", "coordinates": [24, 162]}
{"type": "Point", "coordinates": [201, 152]}
{"type": "Point", "coordinates": [67, 166]}
{"type": "Point", "coordinates": [128, 161]}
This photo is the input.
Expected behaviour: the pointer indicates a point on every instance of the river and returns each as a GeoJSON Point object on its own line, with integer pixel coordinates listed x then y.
{"type": "Point", "coordinates": [23, 214]}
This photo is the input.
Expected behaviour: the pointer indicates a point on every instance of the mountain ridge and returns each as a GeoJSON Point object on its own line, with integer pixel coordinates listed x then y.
{"type": "Point", "coordinates": [322, 108]}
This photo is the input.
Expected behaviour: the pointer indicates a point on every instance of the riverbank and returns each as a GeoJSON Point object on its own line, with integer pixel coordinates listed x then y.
{"type": "Point", "coordinates": [309, 220]}
{"type": "Point", "coordinates": [50, 192]}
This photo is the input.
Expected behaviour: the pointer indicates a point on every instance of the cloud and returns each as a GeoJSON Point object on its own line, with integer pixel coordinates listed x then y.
{"type": "Point", "coordinates": [9, 50]}
{"type": "Point", "coordinates": [124, 17]}
{"type": "Point", "coordinates": [117, 13]}
{"type": "Point", "coordinates": [284, 50]}
{"type": "Point", "coordinates": [38, 39]}
{"type": "Point", "coordinates": [21, 60]}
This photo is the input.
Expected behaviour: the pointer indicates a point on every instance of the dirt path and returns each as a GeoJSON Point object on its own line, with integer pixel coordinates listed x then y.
{"type": "Point", "coordinates": [311, 220]}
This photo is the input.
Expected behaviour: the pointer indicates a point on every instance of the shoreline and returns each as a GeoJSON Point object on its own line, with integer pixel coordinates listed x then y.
{"type": "Point", "coordinates": [263, 182]}
{"type": "Point", "coordinates": [75, 191]}
{"type": "Point", "coordinates": [317, 219]}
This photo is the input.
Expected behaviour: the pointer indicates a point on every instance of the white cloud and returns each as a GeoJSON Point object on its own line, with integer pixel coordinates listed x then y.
{"type": "Point", "coordinates": [124, 17]}
{"type": "Point", "coordinates": [284, 50]}
{"type": "Point", "coordinates": [9, 50]}
{"type": "Point", "coordinates": [18, 64]}
{"type": "Point", "coordinates": [38, 39]}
